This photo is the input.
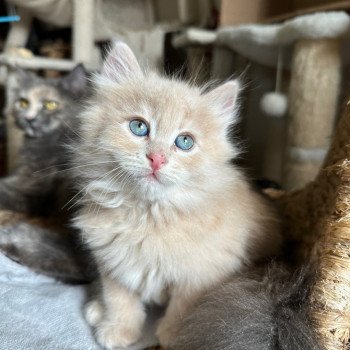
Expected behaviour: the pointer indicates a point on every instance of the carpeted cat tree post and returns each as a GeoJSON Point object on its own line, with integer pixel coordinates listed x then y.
{"type": "Point", "coordinates": [313, 101]}
{"type": "Point", "coordinates": [317, 220]}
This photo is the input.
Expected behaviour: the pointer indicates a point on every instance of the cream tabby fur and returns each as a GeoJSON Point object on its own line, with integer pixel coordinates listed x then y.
{"type": "Point", "coordinates": [170, 237]}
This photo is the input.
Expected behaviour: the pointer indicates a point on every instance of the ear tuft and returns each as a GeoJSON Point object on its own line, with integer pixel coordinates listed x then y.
{"type": "Point", "coordinates": [224, 99]}
{"type": "Point", "coordinates": [120, 63]}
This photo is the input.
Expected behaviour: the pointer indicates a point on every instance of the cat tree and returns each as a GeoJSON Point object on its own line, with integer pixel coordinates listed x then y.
{"type": "Point", "coordinates": [310, 47]}
{"type": "Point", "coordinates": [316, 217]}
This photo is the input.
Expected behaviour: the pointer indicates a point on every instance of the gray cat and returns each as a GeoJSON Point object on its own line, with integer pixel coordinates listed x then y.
{"type": "Point", "coordinates": [39, 235]}
{"type": "Point", "coordinates": [45, 110]}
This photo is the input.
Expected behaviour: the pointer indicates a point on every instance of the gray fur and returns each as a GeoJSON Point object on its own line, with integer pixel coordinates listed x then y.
{"type": "Point", "coordinates": [46, 250]}
{"type": "Point", "coordinates": [66, 91]}
{"type": "Point", "coordinates": [260, 310]}
{"type": "Point", "coordinates": [41, 185]}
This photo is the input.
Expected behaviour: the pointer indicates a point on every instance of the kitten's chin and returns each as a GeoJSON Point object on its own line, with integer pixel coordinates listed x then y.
{"type": "Point", "coordinates": [157, 179]}
{"type": "Point", "coordinates": [152, 177]}
{"type": "Point", "coordinates": [155, 186]}
{"type": "Point", "coordinates": [153, 180]}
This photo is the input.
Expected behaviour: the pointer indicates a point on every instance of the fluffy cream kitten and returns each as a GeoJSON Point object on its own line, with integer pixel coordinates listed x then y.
{"type": "Point", "coordinates": [164, 212]}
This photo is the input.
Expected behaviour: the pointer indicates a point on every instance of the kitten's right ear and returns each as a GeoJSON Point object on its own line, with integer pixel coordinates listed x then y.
{"type": "Point", "coordinates": [120, 63]}
{"type": "Point", "coordinates": [224, 99]}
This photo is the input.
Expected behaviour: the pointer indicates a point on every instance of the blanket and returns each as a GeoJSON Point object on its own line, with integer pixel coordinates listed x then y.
{"type": "Point", "coordinates": [40, 313]}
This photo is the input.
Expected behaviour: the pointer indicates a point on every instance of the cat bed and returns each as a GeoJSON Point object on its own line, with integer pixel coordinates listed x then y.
{"type": "Point", "coordinates": [40, 313]}
{"type": "Point", "coordinates": [317, 219]}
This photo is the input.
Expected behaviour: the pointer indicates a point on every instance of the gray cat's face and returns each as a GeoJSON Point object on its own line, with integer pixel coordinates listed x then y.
{"type": "Point", "coordinates": [39, 105]}
{"type": "Point", "coordinates": [38, 109]}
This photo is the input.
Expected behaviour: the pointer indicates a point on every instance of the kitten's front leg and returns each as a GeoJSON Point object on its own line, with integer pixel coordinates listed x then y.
{"type": "Point", "coordinates": [181, 300]}
{"type": "Point", "coordinates": [117, 317]}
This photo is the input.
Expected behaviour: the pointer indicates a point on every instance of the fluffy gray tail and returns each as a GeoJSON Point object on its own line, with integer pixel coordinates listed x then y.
{"type": "Point", "coordinates": [261, 310]}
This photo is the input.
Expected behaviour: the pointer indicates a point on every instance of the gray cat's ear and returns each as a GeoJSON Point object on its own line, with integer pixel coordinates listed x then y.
{"type": "Point", "coordinates": [224, 99]}
{"type": "Point", "coordinates": [75, 81]}
{"type": "Point", "coordinates": [120, 63]}
{"type": "Point", "coordinates": [17, 77]}
{"type": "Point", "coordinates": [22, 74]}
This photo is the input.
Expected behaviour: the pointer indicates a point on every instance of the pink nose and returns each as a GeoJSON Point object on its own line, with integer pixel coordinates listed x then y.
{"type": "Point", "coordinates": [157, 160]}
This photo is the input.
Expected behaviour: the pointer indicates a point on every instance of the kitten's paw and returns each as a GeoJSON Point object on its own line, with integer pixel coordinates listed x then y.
{"type": "Point", "coordinates": [113, 336]}
{"type": "Point", "coordinates": [93, 312]}
{"type": "Point", "coordinates": [165, 333]}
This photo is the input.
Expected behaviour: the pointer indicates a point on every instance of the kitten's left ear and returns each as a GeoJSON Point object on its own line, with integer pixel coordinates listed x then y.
{"type": "Point", "coordinates": [224, 99]}
{"type": "Point", "coordinates": [120, 63]}
{"type": "Point", "coordinates": [76, 81]}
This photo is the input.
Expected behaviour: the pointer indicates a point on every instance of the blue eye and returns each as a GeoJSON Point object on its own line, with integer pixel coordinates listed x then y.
{"type": "Point", "coordinates": [184, 142]}
{"type": "Point", "coordinates": [138, 127]}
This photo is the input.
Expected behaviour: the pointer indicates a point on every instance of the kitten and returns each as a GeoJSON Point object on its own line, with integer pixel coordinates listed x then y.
{"type": "Point", "coordinates": [34, 229]}
{"type": "Point", "coordinates": [165, 213]}
{"type": "Point", "coordinates": [263, 309]}
{"type": "Point", "coordinates": [45, 109]}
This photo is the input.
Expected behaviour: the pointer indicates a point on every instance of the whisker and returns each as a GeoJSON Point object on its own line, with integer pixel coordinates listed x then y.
{"type": "Point", "coordinates": [85, 187]}
{"type": "Point", "coordinates": [70, 169]}
{"type": "Point", "coordinates": [111, 183]}
{"type": "Point", "coordinates": [69, 127]}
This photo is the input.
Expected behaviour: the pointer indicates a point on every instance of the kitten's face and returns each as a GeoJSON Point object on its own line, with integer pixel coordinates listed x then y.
{"type": "Point", "coordinates": [162, 133]}
{"type": "Point", "coordinates": [39, 105]}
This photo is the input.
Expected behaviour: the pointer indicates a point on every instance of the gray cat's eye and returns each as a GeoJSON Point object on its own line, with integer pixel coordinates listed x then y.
{"type": "Point", "coordinates": [50, 105]}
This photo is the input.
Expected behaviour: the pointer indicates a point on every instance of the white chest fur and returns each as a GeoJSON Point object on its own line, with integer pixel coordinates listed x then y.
{"type": "Point", "coordinates": [149, 252]}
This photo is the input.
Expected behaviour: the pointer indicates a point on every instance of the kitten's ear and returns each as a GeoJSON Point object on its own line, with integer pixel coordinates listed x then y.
{"type": "Point", "coordinates": [120, 63]}
{"type": "Point", "coordinates": [76, 81]}
{"type": "Point", "coordinates": [224, 99]}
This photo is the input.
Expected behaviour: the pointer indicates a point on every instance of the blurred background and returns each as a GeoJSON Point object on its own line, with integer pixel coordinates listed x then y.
{"type": "Point", "coordinates": [292, 57]}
